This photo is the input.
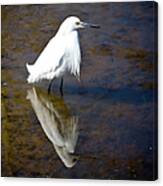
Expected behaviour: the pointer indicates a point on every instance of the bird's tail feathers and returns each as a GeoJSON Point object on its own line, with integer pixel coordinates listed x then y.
{"type": "Point", "coordinates": [30, 79]}
{"type": "Point", "coordinates": [33, 78]}
{"type": "Point", "coordinates": [29, 68]}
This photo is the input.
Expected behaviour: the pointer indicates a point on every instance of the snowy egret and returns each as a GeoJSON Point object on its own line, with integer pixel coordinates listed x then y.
{"type": "Point", "coordinates": [61, 55]}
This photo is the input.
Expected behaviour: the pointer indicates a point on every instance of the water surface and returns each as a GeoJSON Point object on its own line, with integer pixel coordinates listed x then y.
{"type": "Point", "coordinates": [103, 127]}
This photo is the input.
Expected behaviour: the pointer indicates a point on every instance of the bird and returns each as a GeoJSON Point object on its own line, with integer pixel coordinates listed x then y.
{"type": "Point", "coordinates": [62, 54]}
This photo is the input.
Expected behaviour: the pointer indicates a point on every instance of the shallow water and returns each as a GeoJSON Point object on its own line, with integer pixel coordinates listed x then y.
{"type": "Point", "coordinates": [106, 122]}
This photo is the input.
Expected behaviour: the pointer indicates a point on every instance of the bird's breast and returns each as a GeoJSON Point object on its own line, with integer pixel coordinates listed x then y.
{"type": "Point", "coordinates": [72, 54]}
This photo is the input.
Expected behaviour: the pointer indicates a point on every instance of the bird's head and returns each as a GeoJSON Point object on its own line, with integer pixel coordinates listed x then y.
{"type": "Point", "coordinates": [74, 23]}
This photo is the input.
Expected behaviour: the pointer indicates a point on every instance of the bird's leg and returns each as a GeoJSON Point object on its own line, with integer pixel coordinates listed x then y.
{"type": "Point", "coordinates": [49, 88]}
{"type": "Point", "coordinates": [61, 87]}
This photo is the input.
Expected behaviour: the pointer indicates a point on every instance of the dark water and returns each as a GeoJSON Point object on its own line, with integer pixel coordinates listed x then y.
{"type": "Point", "coordinates": [107, 122]}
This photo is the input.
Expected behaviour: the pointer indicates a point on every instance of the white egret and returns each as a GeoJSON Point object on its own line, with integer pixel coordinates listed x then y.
{"type": "Point", "coordinates": [61, 55]}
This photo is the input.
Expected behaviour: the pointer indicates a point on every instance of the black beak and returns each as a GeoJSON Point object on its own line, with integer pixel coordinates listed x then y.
{"type": "Point", "coordinates": [89, 25]}
{"type": "Point", "coordinates": [94, 25]}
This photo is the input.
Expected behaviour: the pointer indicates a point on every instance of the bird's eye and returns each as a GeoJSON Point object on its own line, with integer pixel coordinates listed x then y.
{"type": "Point", "coordinates": [77, 23]}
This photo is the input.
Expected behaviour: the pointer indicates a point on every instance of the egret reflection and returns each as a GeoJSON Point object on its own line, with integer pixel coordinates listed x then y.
{"type": "Point", "coordinates": [56, 120]}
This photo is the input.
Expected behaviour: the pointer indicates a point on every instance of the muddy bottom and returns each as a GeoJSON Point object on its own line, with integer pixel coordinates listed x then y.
{"type": "Point", "coordinates": [104, 127]}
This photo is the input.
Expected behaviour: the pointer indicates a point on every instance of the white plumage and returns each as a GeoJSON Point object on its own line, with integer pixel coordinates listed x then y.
{"type": "Point", "coordinates": [61, 55]}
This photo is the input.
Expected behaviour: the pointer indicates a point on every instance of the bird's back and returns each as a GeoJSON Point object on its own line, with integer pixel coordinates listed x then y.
{"type": "Point", "coordinates": [48, 60]}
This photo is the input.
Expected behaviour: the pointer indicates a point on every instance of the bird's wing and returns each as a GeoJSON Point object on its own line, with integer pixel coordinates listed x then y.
{"type": "Point", "coordinates": [50, 57]}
